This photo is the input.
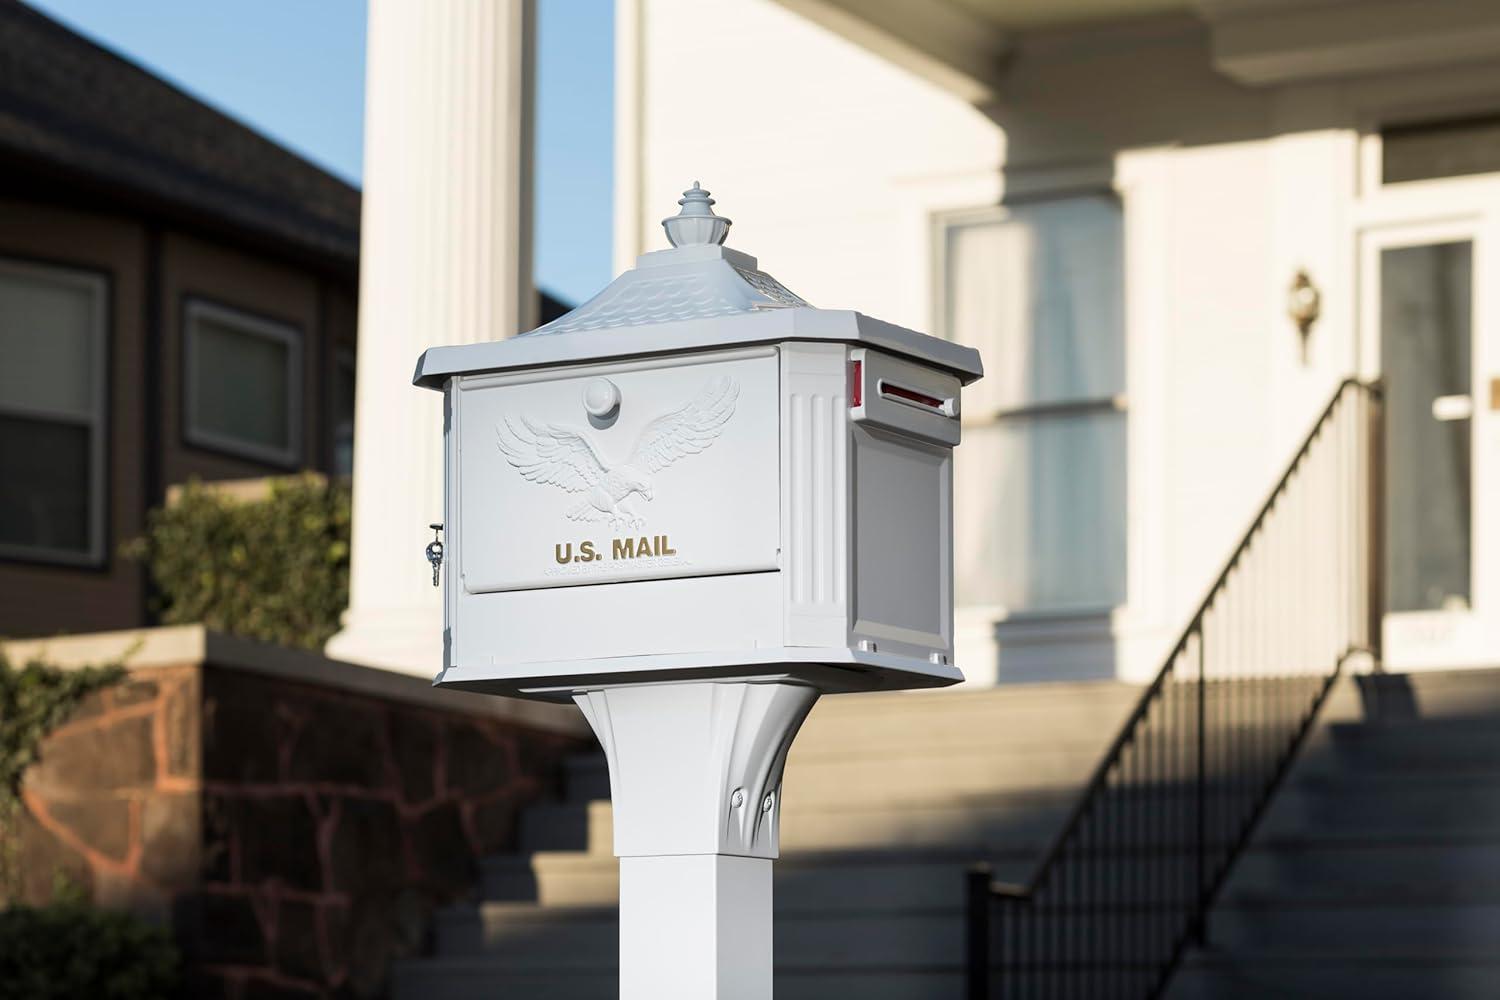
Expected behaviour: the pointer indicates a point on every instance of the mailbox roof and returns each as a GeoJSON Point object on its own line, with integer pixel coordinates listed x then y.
{"type": "Point", "coordinates": [660, 307]}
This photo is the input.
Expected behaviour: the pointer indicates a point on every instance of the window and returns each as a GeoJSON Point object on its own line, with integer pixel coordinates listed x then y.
{"type": "Point", "coordinates": [1038, 289]}
{"type": "Point", "coordinates": [52, 397]}
{"type": "Point", "coordinates": [243, 384]}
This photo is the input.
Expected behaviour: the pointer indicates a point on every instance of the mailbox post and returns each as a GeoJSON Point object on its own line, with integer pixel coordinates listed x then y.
{"type": "Point", "coordinates": [693, 505]}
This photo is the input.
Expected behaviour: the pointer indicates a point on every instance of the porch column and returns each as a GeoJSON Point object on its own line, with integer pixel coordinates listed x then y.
{"type": "Point", "coordinates": [445, 259]}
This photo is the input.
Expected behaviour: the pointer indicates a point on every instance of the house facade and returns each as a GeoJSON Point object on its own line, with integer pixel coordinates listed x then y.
{"type": "Point", "coordinates": [177, 300]}
{"type": "Point", "coordinates": [1171, 227]}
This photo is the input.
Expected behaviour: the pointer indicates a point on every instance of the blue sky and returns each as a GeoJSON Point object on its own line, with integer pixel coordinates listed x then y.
{"type": "Point", "coordinates": [294, 70]}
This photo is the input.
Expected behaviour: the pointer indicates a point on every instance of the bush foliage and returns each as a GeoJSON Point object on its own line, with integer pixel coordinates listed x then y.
{"type": "Point", "coordinates": [34, 700]}
{"type": "Point", "coordinates": [274, 569]}
{"type": "Point", "coordinates": [69, 950]}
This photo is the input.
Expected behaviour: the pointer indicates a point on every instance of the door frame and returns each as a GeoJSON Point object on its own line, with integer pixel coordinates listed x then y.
{"type": "Point", "coordinates": [1439, 639]}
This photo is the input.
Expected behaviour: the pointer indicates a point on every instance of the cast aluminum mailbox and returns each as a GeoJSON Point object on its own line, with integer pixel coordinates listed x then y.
{"type": "Point", "coordinates": [698, 475]}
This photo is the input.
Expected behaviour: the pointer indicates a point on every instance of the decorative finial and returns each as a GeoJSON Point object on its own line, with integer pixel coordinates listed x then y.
{"type": "Point", "coordinates": [696, 225]}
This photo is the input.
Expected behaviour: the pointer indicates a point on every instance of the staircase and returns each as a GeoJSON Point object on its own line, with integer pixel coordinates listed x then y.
{"type": "Point", "coordinates": [1376, 872]}
{"type": "Point", "coordinates": [887, 799]}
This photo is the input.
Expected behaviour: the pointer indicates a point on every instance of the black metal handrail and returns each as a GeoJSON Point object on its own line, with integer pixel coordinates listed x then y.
{"type": "Point", "coordinates": [1126, 886]}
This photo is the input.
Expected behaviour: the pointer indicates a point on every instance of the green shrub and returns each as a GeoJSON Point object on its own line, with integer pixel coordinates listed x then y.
{"type": "Point", "coordinates": [274, 569]}
{"type": "Point", "coordinates": [34, 700]}
{"type": "Point", "coordinates": [69, 950]}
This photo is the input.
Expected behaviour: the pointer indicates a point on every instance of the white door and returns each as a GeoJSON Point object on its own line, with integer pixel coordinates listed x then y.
{"type": "Point", "coordinates": [1428, 332]}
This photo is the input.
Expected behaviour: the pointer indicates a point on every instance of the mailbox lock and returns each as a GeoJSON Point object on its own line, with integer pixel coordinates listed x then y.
{"type": "Point", "coordinates": [435, 551]}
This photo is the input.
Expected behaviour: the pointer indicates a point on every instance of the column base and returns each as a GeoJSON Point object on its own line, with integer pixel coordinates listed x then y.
{"type": "Point", "coordinates": [407, 641]}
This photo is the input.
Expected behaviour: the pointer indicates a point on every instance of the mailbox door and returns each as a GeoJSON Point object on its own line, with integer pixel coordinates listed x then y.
{"type": "Point", "coordinates": [615, 473]}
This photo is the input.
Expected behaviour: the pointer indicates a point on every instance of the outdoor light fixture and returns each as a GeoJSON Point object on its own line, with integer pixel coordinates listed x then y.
{"type": "Point", "coordinates": [693, 505]}
{"type": "Point", "coordinates": [1304, 304]}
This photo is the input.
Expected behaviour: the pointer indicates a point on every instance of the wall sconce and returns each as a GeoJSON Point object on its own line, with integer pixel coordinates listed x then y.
{"type": "Point", "coordinates": [1304, 304]}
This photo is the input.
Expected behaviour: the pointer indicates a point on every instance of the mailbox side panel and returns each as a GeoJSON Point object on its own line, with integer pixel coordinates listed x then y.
{"type": "Point", "coordinates": [903, 555]}
{"type": "Point", "coordinates": [815, 494]}
{"type": "Point", "coordinates": [901, 439]}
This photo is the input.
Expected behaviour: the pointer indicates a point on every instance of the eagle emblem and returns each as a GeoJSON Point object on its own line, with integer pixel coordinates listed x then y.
{"type": "Point", "coordinates": [547, 453]}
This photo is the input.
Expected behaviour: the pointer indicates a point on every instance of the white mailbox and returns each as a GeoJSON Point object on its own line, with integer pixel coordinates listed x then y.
{"type": "Point", "coordinates": [697, 474]}
{"type": "Point", "coordinates": [692, 505]}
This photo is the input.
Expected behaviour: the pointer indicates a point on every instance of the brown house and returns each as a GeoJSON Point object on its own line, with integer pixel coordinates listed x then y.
{"type": "Point", "coordinates": [177, 299]}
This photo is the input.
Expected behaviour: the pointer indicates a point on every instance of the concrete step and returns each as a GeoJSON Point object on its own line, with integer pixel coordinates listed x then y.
{"type": "Point", "coordinates": [979, 822]}
{"type": "Point", "coordinates": [568, 826]}
{"type": "Point", "coordinates": [1433, 919]}
{"type": "Point", "coordinates": [1398, 974]}
{"type": "Point", "coordinates": [1440, 694]}
{"type": "Point", "coordinates": [1007, 716]}
{"type": "Point", "coordinates": [486, 977]}
{"type": "Point", "coordinates": [1029, 735]}
{"type": "Point", "coordinates": [866, 881]}
{"type": "Point", "coordinates": [1389, 804]}
{"type": "Point", "coordinates": [898, 774]}
{"type": "Point", "coordinates": [1360, 863]}
{"type": "Point", "coordinates": [534, 937]}
{"type": "Point", "coordinates": [1423, 745]}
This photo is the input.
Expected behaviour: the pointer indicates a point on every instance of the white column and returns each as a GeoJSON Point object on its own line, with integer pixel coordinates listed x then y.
{"type": "Point", "coordinates": [695, 777]}
{"type": "Point", "coordinates": [445, 259]}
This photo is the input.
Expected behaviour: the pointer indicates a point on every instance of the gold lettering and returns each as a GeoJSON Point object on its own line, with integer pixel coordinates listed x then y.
{"type": "Point", "coordinates": [666, 549]}
{"type": "Point", "coordinates": [563, 553]}
{"type": "Point", "coordinates": [624, 548]}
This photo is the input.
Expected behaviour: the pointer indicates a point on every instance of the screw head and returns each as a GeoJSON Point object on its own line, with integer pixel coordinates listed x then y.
{"type": "Point", "coordinates": [769, 802]}
{"type": "Point", "coordinates": [738, 798]}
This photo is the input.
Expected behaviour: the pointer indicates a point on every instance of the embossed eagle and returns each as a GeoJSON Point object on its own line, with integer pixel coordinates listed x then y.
{"type": "Point", "coordinates": [547, 453]}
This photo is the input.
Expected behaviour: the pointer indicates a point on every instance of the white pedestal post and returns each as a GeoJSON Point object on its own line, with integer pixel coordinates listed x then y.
{"type": "Point", "coordinates": [445, 258]}
{"type": "Point", "coordinates": [695, 774]}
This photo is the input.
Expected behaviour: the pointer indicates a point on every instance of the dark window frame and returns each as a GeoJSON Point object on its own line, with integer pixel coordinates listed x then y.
{"type": "Point", "coordinates": [101, 451]}
{"type": "Point", "coordinates": [256, 324]}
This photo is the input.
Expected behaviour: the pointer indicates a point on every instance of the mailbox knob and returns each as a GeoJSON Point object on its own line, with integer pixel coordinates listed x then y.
{"type": "Point", "coordinates": [601, 397]}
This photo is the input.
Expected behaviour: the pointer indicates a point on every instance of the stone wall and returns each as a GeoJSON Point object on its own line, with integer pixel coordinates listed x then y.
{"type": "Point", "coordinates": [297, 835]}
{"type": "Point", "coordinates": [112, 807]}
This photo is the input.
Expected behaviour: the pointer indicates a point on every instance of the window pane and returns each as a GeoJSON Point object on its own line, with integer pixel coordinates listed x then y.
{"type": "Point", "coordinates": [1441, 149]}
{"type": "Point", "coordinates": [1425, 297]}
{"type": "Point", "coordinates": [1040, 294]}
{"type": "Point", "coordinates": [1041, 513]}
{"type": "Point", "coordinates": [46, 343]}
{"type": "Point", "coordinates": [240, 385]}
{"type": "Point", "coordinates": [44, 484]}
